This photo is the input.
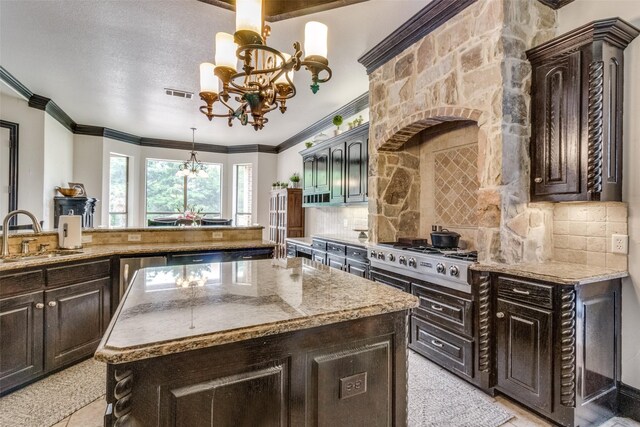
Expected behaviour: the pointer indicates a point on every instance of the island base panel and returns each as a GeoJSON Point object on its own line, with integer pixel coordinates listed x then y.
{"type": "Point", "coordinates": [348, 373]}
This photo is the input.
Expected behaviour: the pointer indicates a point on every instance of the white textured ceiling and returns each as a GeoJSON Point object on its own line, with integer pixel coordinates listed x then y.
{"type": "Point", "coordinates": [106, 62]}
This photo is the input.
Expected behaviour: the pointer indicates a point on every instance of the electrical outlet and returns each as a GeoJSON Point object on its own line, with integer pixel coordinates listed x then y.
{"type": "Point", "coordinates": [619, 243]}
{"type": "Point", "coordinates": [216, 234]}
{"type": "Point", "coordinates": [87, 239]}
{"type": "Point", "coordinates": [134, 237]}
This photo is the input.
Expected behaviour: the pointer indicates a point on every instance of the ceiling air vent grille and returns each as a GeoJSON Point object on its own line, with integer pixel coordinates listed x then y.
{"type": "Point", "coordinates": [178, 93]}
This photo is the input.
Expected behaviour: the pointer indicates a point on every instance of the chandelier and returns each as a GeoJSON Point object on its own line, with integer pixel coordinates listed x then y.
{"type": "Point", "coordinates": [265, 79]}
{"type": "Point", "coordinates": [192, 167]}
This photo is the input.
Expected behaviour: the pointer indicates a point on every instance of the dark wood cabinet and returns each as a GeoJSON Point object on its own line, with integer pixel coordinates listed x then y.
{"type": "Point", "coordinates": [357, 170]}
{"type": "Point", "coordinates": [524, 352]}
{"type": "Point", "coordinates": [357, 268]}
{"type": "Point", "coordinates": [51, 317]}
{"type": "Point", "coordinates": [76, 319]}
{"type": "Point", "coordinates": [337, 262]}
{"type": "Point", "coordinates": [576, 113]}
{"type": "Point", "coordinates": [336, 171]}
{"type": "Point", "coordinates": [286, 217]}
{"type": "Point", "coordinates": [21, 326]}
{"type": "Point", "coordinates": [390, 279]}
{"type": "Point", "coordinates": [337, 164]}
{"type": "Point", "coordinates": [84, 206]}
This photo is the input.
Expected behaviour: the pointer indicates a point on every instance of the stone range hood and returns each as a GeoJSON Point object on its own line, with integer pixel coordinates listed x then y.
{"type": "Point", "coordinates": [471, 68]}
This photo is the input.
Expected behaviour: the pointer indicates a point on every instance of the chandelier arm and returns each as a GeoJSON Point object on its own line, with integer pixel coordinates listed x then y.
{"type": "Point", "coordinates": [203, 110]}
{"type": "Point", "coordinates": [316, 68]}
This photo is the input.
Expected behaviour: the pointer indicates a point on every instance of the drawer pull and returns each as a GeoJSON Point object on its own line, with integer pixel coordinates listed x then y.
{"type": "Point", "coordinates": [247, 257]}
{"type": "Point", "coordinates": [356, 254]}
{"type": "Point", "coordinates": [436, 307]}
{"type": "Point", "coordinates": [39, 305]}
{"type": "Point", "coordinates": [52, 303]}
{"type": "Point", "coordinates": [518, 291]}
{"type": "Point", "coordinates": [197, 260]}
{"type": "Point", "coordinates": [499, 315]}
{"type": "Point", "coordinates": [437, 343]}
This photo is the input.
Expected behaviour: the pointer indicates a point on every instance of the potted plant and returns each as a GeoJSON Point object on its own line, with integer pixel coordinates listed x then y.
{"type": "Point", "coordinates": [337, 121]}
{"type": "Point", "coordinates": [295, 180]}
{"type": "Point", "coordinates": [308, 144]}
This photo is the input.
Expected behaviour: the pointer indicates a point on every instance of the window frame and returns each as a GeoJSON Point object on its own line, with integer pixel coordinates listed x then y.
{"type": "Point", "coordinates": [127, 210]}
{"type": "Point", "coordinates": [185, 195]}
{"type": "Point", "coordinates": [235, 194]}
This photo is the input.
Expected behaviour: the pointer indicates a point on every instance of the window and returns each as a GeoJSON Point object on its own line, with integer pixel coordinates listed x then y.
{"type": "Point", "coordinates": [242, 181]}
{"type": "Point", "coordinates": [169, 195]}
{"type": "Point", "coordinates": [118, 191]}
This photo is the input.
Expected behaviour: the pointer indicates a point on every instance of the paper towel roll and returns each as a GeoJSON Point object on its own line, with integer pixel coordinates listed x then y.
{"type": "Point", "coordinates": [70, 231]}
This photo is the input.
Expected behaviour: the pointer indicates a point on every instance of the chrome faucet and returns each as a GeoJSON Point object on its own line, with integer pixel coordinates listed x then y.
{"type": "Point", "coordinates": [5, 228]}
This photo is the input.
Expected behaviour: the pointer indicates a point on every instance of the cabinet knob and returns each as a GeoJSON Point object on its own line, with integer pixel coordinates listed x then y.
{"type": "Point", "coordinates": [40, 305]}
{"type": "Point", "coordinates": [538, 180]}
{"type": "Point", "coordinates": [52, 303]}
{"type": "Point", "coordinates": [499, 315]}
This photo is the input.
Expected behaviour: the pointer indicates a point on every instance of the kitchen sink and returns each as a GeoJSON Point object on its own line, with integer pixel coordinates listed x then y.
{"type": "Point", "coordinates": [38, 255]}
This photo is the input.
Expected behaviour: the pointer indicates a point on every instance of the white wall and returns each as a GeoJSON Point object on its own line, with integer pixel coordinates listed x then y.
{"type": "Point", "coordinates": [58, 164]}
{"type": "Point", "coordinates": [30, 152]}
{"type": "Point", "coordinates": [88, 168]}
{"type": "Point", "coordinates": [570, 17]}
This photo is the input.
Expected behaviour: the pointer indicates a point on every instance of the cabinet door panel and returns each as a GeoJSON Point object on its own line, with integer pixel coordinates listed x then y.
{"type": "Point", "coordinates": [356, 171]}
{"type": "Point", "coordinates": [357, 268]}
{"type": "Point", "coordinates": [308, 169]}
{"type": "Point", "coordinates": [336, 262]}
{"type": "Point", "coordinates": [322, 171]}
{"type": "Point", "coordinates": [524, 353]}
{"type": "Point", "coordinates": [393, 281]}
{"type": "Point", "coordinates": [337, 174]}
{"type": "Point", "coordinates": [20, 339]}
{"type": "Point", "coordinates": [76, 319]}
{"type": "Point", "coordinates": [556, 143]}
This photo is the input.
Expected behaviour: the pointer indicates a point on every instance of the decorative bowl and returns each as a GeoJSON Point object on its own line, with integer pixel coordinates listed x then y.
{"type": "Point", "coordinates": [68, 192]}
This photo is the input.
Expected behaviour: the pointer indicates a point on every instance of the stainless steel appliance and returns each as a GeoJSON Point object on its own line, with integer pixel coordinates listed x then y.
{"type": "Point", "coordinates": [128, 267]}
{"type": "Point", "coordinates": [448, 268]}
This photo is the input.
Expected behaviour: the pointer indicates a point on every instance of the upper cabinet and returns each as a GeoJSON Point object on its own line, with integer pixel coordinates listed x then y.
{"type": "Point", "coordinates": [335, 171]}
{"type": "Point", "coordinates": [576, 112]}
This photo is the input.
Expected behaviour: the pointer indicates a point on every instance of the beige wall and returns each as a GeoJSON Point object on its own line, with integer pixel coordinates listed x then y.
{"type": "Point", "coordinates": [58, 164]}
{"type": "Point", "coordinates": [569, 17]}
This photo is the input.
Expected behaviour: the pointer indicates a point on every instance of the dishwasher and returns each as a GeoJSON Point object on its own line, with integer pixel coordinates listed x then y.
{"type": "Point", "coordinates": [128, 267]}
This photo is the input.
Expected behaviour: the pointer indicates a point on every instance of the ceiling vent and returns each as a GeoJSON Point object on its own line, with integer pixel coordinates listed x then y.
{"type": "Point", "coordinates": [178, 93]}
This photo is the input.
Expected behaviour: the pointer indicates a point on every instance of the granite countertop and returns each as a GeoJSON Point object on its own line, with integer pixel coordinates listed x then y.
{"type": "Point", "coordinates": [347, 240]}
{"type": "Point", "coordinates": [236, 301]}
{"type": "Point", "coordinates": [129, 249]}
{"type": "Point", "coordinates": [305, 241]}
{"type": "Point", "coordinates": [563, 273]}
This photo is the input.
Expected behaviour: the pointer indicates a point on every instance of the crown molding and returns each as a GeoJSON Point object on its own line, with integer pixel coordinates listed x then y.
{"type": "Point", "coordinates": [555, 4]}
{"type": "Point", "coordinates": [14, 83]}
{"type": "Point", "coordinates": [419, 25]}
{"type": "Point", "coordinates": [353, 107]}
{"type": "Point", "coordinates": [320, 7]}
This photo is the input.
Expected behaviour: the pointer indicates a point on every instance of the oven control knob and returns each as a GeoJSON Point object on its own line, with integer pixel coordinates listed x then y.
{"type": "Point", "coordinates": [380, 255]}
{"type": "Point", "coordinates": [440, 268]}
{"type": "Point", "coordinates": [402, 260]}
{"type": "Point", "coordinates": [454, 271]}
{"type": "Point", "coordinates": [373, 254]}
{"type": "Point", "coordinates": [391, 257]}
{"type": "Point", "coordinates": [413, 263]}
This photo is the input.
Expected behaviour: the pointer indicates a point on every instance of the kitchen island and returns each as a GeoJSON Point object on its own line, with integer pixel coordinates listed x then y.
{"type": "Point", "coordinates": [266, 342]}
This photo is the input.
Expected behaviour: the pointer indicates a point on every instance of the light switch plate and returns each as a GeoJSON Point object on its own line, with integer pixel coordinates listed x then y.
{"type": "Point", "coordinates": [134, 237]}
{"type": "Point", "coordinates": [619, 243]}
{"type": "Point", "coordinates": [216, 234]}
{"type": "Point", "coordinates": [87, 239]}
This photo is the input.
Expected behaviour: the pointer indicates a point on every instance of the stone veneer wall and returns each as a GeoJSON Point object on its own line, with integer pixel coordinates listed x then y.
{"type": "Point", "coordinates": [472, 68]}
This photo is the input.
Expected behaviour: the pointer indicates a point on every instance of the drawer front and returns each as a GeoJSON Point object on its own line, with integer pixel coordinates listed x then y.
{"type": "Point", "coordinates": [320, 245]}
{"type": "Point", "coordinates": [448, 311]}
{"type": "Point", "coordinates": [246, 255]}
{"type": "Point", "coordinates": [444, 348]}
{"type": "Point", "coordinates": [18, 283]}
{"type": "Point", "coordinates": [336, 249]}
{"type": "Point", "coordinates": [357, 268]}
{"type": "Point", "coordinates": [336, 262]}
{"type": "Point", "coordinates": [528, 292]}
{"type": "Point", "coordinates": [358, 254]}
{"type": "Point", "coordinates": [304, 250]}
{"type": "Point", "coordinates": [203, 258]}
{"type": "Point", "coordinates": [291, 251]}
{"type": "Point", "coordinates": [68, 274]}
{"type": "Point", "coordinates": [320, 256]}
{"type": "Point", "coordinates": [387, 279]}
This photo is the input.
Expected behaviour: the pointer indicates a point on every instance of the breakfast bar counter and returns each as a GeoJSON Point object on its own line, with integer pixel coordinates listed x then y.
{"type": "Point", "coordinates": [303, 343]}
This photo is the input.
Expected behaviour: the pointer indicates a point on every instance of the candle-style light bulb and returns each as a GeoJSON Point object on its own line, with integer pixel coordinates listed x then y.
{"type": "Point", "coordinates": [208, 81]}
{"type": "Point", "coordinates": [315, 40]}
{"type": "Point", "coordinates": [249, 15]}
{"type": "Point", "coordinates": [225, 51]}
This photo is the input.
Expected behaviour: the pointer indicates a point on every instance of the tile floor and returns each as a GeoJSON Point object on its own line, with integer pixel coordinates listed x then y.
{"type": "Point", "coordinates": [91, 416]}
